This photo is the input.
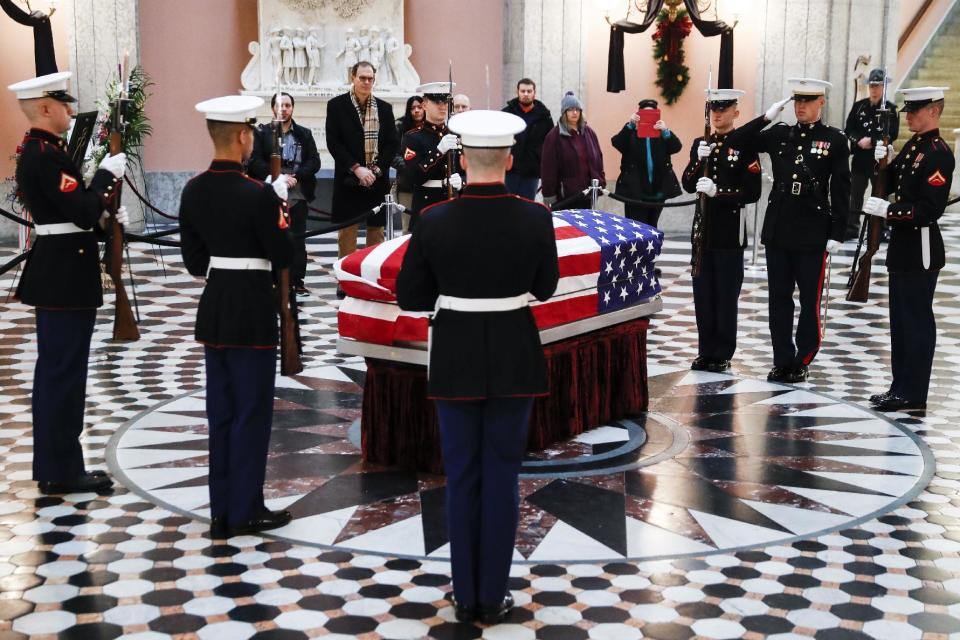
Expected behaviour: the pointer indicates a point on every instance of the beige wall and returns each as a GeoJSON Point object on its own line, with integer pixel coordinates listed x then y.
{"type": "Point", "coordinates": [16, 51]}
{"type": "Point", "coordinates": [921, 35]}
{"type": "Point", "coordinates": [607, 112]}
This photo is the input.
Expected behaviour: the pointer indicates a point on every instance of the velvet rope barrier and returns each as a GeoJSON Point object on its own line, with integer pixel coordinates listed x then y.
{"type": "Point", "coordinates": [14, 217]}
{"type": "Point", "coordinates": [648, 203]}
{"type": "Point", "coordinates": [12, 263]}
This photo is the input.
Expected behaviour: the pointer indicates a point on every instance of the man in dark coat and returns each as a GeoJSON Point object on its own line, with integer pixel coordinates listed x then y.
{"type": "Point", "coordinates": [61, 279]}
{"type": "Point", "coordinates": [234, 230]}
{"type": "Point", "coordinates": [732, 180]}
{"type": "Point", "coordinates": [300, 163]}
{"type": "Point", "coordinates": [478, 259]}
{"type": "Point", "coordinates": [524, 177]}
{"type": "Point", "coordinates": [363, 140]}
{"type": "Point", "coordinates": [920, 177]}
{"type": "Point", "coordinates": [865, 128]}
{"type": "Point", "coordinates": [805, 218]}
{"type": "Point", "coordinates": [646, 170]}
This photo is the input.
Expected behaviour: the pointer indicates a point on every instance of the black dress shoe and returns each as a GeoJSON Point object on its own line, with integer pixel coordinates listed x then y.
{"type": "Point", "coordinates": [219, 529]}
{"type": "Point", "coordinates": [796, 374]}
{"type": "Point", "coordinates": [877, 398]}
{"type": "Point", "coordinates": [496, 614]}
{"type": "Point", "coordinates": [700, 363]}
{"type": "Point", "coordinates": [718, 366]}
{"type": "Point", "coordinates": [896, 403]}
{"type": "Point", "coordinates": [466, 614]}
{"type": "Point", "coordinates": [264, 521]}
{"type": "Point", "coordinates": [778, 374]}
{"type": "Point", "coordinates": [89, 481]}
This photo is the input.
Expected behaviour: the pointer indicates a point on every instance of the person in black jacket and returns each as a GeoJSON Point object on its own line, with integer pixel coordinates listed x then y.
{"type": "Point", "coordinates": [362, 138]}
{"type": "Point", "coordinates": [805, 218]}
{"type": "Point", "coordinates": [865, 128]}
{"type": "Point", "coordinates": [234, 230]}
{"type": "Point", "coordinates": [412, 118]}
{"type": "Point", "coordinates": [300, 163]}
{"type": "Point", "coordinates": [478, 259]}
{"type": "Point", "coordinates": [523, 178]}
{"type": "Point", "coordinates": [646, 171]}
{"type": "Point", "coordinates": [920, 177]}
{"type": "Point", "coordinates": [61, 279]}
{"type": "Point", "coordinates": [732, 180]}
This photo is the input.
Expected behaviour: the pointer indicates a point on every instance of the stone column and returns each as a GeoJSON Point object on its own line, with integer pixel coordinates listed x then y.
{"type": "Point", "coordinates": [101, 32]}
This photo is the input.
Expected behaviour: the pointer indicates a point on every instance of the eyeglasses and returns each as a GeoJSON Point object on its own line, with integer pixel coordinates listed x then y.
{"type": "Point", "coordinates": [365, 79]}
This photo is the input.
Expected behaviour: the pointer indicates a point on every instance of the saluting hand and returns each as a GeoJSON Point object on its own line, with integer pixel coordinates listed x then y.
{"type": "Point", "coordinates": [776, 108]}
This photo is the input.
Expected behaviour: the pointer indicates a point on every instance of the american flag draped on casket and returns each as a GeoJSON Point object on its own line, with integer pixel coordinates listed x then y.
{"type": "Point", "coordinates": [606, 264]}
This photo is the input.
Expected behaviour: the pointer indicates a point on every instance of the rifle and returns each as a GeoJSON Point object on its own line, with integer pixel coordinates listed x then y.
{"type": "Point", "coordinates": [290, 363]}
{"type": "Point", "coordinates": [449, 111]}
{"type": "Point", "coordinates": [124, 325]}
{"type": "Point", "coordinates": [699, 229]}
{"type": "Point", "coordinates": [860, 276]}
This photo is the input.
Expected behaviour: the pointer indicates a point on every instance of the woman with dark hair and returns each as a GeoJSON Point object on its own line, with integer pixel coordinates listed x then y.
{"type": "Point", "coordinates": [412, 118]}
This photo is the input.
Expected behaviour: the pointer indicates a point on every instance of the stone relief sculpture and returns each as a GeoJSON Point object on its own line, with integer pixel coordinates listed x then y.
{"type": "Point", "coordinates": [350, 52]}
{"type": "Point", "coordinates": [376, 48]}
{"type": "Point", "coordinates": [314, 57]}
{"type": "Point", "coordinates": [299, 57]}
{"type": "Point", "coordinates": [287, 56]}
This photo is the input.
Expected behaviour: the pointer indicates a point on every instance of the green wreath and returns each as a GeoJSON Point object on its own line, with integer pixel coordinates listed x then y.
{"type": "Point", "coordinates": [672, 74]}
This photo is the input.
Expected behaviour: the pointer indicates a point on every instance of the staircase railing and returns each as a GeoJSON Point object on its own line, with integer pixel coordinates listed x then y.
{"type": "Point", "coordinates": [914, 23]}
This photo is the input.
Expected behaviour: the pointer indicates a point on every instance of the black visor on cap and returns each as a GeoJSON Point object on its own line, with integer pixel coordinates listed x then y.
{"type": "Point", "coordinates": [914, 105]}
{"type": "Point", "coordinates": [721, 105]}
{"type": "Point", "coordinates": [60, 95]}
{"type": "Point", "coordinates": [647, 104]}
{"type": "Point", "coordinates": [436, 97]}
{"type": "Point", "coordinates": [806, 98]}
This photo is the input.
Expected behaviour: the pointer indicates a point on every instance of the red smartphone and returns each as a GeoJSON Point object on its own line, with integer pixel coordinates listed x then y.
{"type": "Point", "coordinates": [648, 118]}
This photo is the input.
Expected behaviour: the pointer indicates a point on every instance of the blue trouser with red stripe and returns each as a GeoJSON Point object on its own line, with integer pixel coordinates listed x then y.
{"type": "Point", "coordinates": [59, 392]}
{"type": "Point", "coordinates": [787, 271]}
{"type": "Point", "coordinates": [483, 444]}
{"type": "Point", "coordinates": [240, 385]}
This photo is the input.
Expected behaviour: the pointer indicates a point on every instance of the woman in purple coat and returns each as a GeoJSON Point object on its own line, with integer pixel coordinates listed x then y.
{"type": "Point", "coordinates": [571, 157]}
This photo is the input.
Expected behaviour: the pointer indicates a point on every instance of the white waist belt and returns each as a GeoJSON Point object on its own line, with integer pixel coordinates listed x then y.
{"type": "Point", "coordinates": [482, 304]}
{"type": "Point", "coordinates": [433, 184]}
{"type": "Point", "coordinates": [59, 229]}
{"type": "Point", "coordinates": [240, 264]}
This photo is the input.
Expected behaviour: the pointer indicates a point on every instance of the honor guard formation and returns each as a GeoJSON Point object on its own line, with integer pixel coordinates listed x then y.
{"type": "Point", "coordinates": [483, 251]}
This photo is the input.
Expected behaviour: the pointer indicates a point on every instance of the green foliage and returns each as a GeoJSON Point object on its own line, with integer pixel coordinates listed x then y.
{"type": "Point", "coordinates": [137, 126]}
{"type": "Point", "coordinates": [672, 74]}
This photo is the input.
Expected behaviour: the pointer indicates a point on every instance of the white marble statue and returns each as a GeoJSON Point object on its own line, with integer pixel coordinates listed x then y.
{"type": "Point", "coordinates": [376, 48]}
{"type": "Point", "coordinates": [314, 52]}
{"type": "Point", "coordinates": [401, 71]}
{"type": "Point", "coordinates": [299, 57]}
{"type": "Point", "coordinates": [276, 59]}
{"type": "Point", "coordinates": [364, 44]}
{"type": "Point", "coordinates": [349, 55]}
{"type": "Point", "coordinates": [286, 49]}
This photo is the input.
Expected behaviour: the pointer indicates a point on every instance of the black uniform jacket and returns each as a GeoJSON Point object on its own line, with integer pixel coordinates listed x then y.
{"type": "Point", "coordinates": [738, 176]}
{"type": "Point", "coordinates": [227, 214]}
{"type": "Point", "coordinates": [527, 151]}
{"type": "Point", "coordinates": [634, 180]}
{"type": "Point", "coordinates": [485, 244]}
{"type": "Point", "coordinates": [63, 271]}
{"type": "Point", "coordinates": [306, 174]}
{"type": "Point", "coordinates": [920, 178]}
{"type": "Point", "coordinates": [344, 132]}
{"type": "Point", "coordinates": [424, 162]}
{"type": "Point", "coordinates": [864, 122]}
{"type": "Point", "coordinates": [811, 182]}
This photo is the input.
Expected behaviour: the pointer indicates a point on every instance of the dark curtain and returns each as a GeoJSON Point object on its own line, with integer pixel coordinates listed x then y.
{"type": "Point", "coordinates": [616, 76]}
{"type": "Point", "coordinates": [44, 56]}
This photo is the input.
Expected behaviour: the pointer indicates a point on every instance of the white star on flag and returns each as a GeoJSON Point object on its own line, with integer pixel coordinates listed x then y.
{"type": "Point", "coordinates": [609, 267]}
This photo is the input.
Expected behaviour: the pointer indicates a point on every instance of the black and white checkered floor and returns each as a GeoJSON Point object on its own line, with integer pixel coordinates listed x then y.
{"type": "Point", "coordinates": [753, 510]}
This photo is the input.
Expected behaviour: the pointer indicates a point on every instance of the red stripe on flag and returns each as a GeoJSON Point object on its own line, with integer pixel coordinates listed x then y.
{"type": "Point", "coordinates": [552, 314]}
{"type": "Point", "coordinates": [567, 232]}
{"type": "Point", "coordinates": [365, 328]}
{"type": "Point", "coordinates": [391, 267]}
{"type": "Point", "coordinates": [364, 291]}
{"type": "Point", "coordinates": [351, 264]}
{"type": "Point", "coordinates": [579, 264]}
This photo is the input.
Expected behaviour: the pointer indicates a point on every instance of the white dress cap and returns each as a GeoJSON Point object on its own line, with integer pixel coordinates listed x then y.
{"type": "Point", "coordinates": [808, 87]}
{"type": "Point", "coordinates": [240, 109]}
{"type": "Point", "coordinates": [724, 95]}
{"type": "Point", "coordinates": [52, 85]}
{"type": "Point", "coordinates": [921, 96]}
{"type": "Point", "coordinates": [486, 129]}
{"type": "Point", "coordinates": [437, 88]}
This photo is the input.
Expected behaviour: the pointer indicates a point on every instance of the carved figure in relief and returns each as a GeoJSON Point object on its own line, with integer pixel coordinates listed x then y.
{"type": "Point", "coordinates": [349, 55]}
{"type": "Point", "coordinates": [364, 44]}
{"type": "Point", "coordinates": [376, 48]}
{"type": "Point", "coordinates": [299, 57]}
{"type": "Point", "coordinates": [273, 47]}
{"type": "Point", "coordinates": [314, 52]}
{"type": "Point", "coordinates": [286, 49]}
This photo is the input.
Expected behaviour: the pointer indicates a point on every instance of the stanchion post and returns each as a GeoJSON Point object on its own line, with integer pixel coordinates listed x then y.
{"type": "Point", "coordinates": [389, 203]}
{"type": "Point", "coordinates": [756, 233]}
{"type": "Point", "coordinates": [594, 193]}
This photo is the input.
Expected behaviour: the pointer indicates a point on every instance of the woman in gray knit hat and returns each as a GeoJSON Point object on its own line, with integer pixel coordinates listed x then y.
{"type": "Point", "coordinates": [571, 157]}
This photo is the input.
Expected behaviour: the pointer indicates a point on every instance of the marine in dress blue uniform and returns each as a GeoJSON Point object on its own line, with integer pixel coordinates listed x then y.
{"type": "Point", "coordinates": [732, 182]}
{"type": "Point", "coordinates": [920, 178]}
{"type": "Point", "coordinates": [233, 230]}
{"type": "Point", "coordinates": [425, 150]}
{"type": "Point", "coordinates": [61, 279]}
{"type": "Point", "coordinates": [805, 219]}
{"type": "Point", "coordinates": [478, 259]}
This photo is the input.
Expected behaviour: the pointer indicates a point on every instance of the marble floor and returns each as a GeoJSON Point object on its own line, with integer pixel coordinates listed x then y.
{"type": "Point", "coordinates": [734, 508]}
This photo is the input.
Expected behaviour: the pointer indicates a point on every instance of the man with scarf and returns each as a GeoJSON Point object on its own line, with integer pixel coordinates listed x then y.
{"type": "Point", "coordinates": [362, 138]}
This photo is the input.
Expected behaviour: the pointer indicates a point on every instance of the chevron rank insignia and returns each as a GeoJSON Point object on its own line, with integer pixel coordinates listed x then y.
{"type": "Point", "coordinates": [409, 154]}
{"type": "Point", "coordinates": [68, 183]}
{"type": "Point", "coordinates": [937, 179]}
{"type": "Point", "coordinates": [754, 167]}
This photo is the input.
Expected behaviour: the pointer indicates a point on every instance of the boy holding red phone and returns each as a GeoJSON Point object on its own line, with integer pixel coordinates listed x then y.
{"type": "Point", "coordinates": [646, 171]}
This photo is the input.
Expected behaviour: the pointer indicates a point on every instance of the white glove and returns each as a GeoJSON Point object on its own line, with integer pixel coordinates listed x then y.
{"type": "Point", "coordinates": [707, 186]}
{"type": "Point", "coordinates": [776, 108]}
{"type": "Point", "coordinates": [882, 151]}
{"type": "Point", "coordinates": [704, 150]}
{"type": "Point", "coordinates": [448, 142]}
{"type": "Point", "coordinates": [549, 200]}
{"type": "Point", "coordinates": [122, 216]}
{"type": "Point", "coordinates": [876, 207]}
{"type": "Point", "coordinates": [116, 165]}
{"type": "Point", "coordinates": [659, 125]}
{"type": "Point", "coordinates": [456, 181]}
{"type": "Point", "coordinates": [279, 187]}
{"type": "Point", "coordinates": [832, 245]}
